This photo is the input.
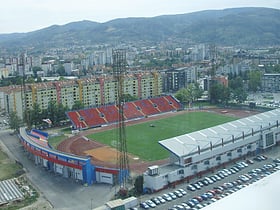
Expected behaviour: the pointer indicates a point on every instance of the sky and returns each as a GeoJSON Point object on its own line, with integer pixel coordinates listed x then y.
{"type": "Point", "coordinates": [31, 15]}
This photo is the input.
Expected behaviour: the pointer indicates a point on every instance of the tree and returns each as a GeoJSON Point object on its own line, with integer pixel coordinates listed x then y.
{"type": "Point", "coordinates": [51, 112]}
{"type": "Point", "coordinates": [219, 94]}
{"type": "Point", "coordinates": [35, 69]}
{"type": "Point", "coordinates": [30, 80]}
{"type": "Point", "coordinates": [36, 115]}
{"type": "Point", "coordinates": [14, 121]}
{"type": "Point", "coordinates": [139, 184]}
{"type": "Point", "coordinates": [128, 97]}
{"type": "Point", "coordinates": [189, 94]}
{"type": "Point", "coordinates": [239, 94]}
{"type": "Point", "coordinates": [181, 95]}
{"type": "Point", "coordinates": [61, 112]}
{"type": "Point", "coordinates": [39, 79]}
{"type": "Point", "coordinates": [61, 70]}
{"type": "Point", "coordinates": [237, 89]}
{"type": "Point", "coordinates": [77, 105]}
{"type": "Point", "coordinates": [254, 80]}
{"type": "Point", "coordinates": [235, 83]}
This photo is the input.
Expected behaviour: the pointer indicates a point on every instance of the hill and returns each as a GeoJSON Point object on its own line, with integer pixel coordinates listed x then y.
{"type": "Point", "coordinates": [237, 26]}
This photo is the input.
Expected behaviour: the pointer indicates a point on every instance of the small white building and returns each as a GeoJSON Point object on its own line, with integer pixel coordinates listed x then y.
{"type": "Point", "coordinates": [200, 151]}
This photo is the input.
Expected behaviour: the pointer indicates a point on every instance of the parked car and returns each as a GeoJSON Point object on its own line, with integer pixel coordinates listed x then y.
{"type": "Point", "coordinates": [178, 193]}
{"type": "Point", "coordinates": [161, 199]}
{"type": "Point", "coordinates": [250, 161]}
{"type": "Point", "coordinates": [182, 191]}
{"type": "Point", "coordinates": [156, 201]}
{"type": "Point", "coordinates": [167, 197]}
{"type": "Point", "coordinates": [277, 160]}
{"type": "Point", "coordinates": [150, 203]}
{"type": "Point", "coordinates": [144, 205]}
{"type": "Point", "coordinates": [191, 187]}
{"type": "Point", "coordinates": [172, 195]}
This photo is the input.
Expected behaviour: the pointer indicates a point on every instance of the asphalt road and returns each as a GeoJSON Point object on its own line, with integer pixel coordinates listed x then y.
{"type": "Point", "coordinates": [62, 193]}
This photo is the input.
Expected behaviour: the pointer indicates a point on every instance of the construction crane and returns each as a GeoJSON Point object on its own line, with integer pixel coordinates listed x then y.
{"type": "Point", "coordinates": [119, 71]}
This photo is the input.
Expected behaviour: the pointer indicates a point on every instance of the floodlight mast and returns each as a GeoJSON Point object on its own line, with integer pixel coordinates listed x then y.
{"type": "Point", "coordinates": [119, 71]}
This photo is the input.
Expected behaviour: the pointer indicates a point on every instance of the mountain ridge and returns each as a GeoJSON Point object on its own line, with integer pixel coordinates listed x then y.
{"type": "Point", "coordinates": [233, 26]}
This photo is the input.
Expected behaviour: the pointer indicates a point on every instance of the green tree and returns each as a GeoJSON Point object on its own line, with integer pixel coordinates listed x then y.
{"type": "Point", "coordinates": [239, 94]}
{"type": "Point", "coordinates": [181, 95]}
{"type": "Point", "coordinates": [237, 89]}
{"type": "Point", "coordinates": [128, 97]}
{"type": "Point", "coordinates": [219, 94]}
{"type": "Point", "coordinates": [39, 79]}
{"type": "Point", "coordinates": [35, 69]}
{"type": "Point", "coordinates": [77, 105]}
{"type": "Point", "coordinates": [36, 115]}
{"type": "Point", "coordinates": [61, 70]}
{"type": "Point", "coordinates": [138, 184]}
{"type": "Point", "coordinates": [254, 80]}
{"type": "Point", "coordinates": [30, 80]}
{"type": "Point", "coordinates": [61, 112]}
{"type": "Point", "coordinates": [14, 121]}
{"type": "Point", "coordinates": [235, 83]}
{"type": "Point", "coordinates": [52, 111]}
{"type": "Point", "coordinates": [190, 94]}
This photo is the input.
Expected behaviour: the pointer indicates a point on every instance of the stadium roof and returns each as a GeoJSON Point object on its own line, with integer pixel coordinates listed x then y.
{"type": "Point", "coordinates": [202, 140]}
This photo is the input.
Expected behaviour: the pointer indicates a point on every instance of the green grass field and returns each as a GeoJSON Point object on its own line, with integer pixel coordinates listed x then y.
{"type": "Point", "coordinates": [142, 139]}
{"type": "Point", "coordinates": [8, 169]}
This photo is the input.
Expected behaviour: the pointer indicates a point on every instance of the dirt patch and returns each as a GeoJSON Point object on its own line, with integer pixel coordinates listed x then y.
{"type": "Point", "coordinates": [106, 154]}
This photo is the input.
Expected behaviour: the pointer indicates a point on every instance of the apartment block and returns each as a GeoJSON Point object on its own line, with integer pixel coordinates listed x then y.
{"type": "Point", "coordinates": [92, 92]}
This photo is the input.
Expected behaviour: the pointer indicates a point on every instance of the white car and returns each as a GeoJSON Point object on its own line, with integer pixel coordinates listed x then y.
{"type": "Point", "coordinates": [178, 193]}
{"type": "Point", "coordinates": [167, 197]}
{"type": "Point", "coordinates": [182, 191]}
{"type": "Point", "coordinates": [161, 199]}
{"type": "Point", "coordinates": [150, 203]}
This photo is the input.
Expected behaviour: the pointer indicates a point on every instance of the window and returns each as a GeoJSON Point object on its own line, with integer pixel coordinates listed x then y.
{"type": "Point", "coordinates": [218, 158]}
{"type": "Point", "coordinates": [269, 140]}
{"type": "Point", "coordinates": [206, 162]}
{"type": "Point", "coordinates": [229, 154]}
{"type": "Point", "coordinates": [188, 160]}
{"type": "Point", "coordinates": [239, 150]}
{"type": "Point", "coordinates": [194, 167]}
{"type": "Point", "coordinates": [181, 171]}
{"type": "Point", "coordinates": [249, 146]}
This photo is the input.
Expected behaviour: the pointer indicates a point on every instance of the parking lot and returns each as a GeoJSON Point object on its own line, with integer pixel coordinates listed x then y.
{"type": "Point", "coordinates": [203, 191]}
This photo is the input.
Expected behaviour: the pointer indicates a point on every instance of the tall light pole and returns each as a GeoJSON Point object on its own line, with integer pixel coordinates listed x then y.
{"type": "Point", "coordinates": [119, 71]}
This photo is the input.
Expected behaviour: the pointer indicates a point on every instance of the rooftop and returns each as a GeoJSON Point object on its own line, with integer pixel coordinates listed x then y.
{"type": "Point", "coordinates": [203, 140]}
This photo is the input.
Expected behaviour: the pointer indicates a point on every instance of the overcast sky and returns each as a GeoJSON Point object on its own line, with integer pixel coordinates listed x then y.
{"type": "Point", "coordinates": [30, 15]}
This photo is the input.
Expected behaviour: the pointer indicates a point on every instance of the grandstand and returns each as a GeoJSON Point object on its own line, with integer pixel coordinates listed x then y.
{"type": "Point", "coordinates": [198, 152]}
{"type": "Point", "coordinates": [98, 116]}
{"type": "Point", "coordinates": [39, 137]}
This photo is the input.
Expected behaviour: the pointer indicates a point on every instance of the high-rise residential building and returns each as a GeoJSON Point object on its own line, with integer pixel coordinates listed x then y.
{"type": "Point", "coordinates": [92, 92]}
{"type": "Point", "coordinates": [179, 78]}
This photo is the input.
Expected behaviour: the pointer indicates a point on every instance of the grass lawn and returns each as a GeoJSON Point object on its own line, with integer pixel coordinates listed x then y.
{"type": "Point", "coordinates": [142, 139]}
{"type": "Point", "coordinates": [56, 140]}
{"type": "Point", "coordinates": [8, 169]}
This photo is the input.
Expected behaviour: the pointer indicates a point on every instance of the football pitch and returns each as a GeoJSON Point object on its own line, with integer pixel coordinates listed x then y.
{"type": "Point", "coordinates": [142, 139]}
